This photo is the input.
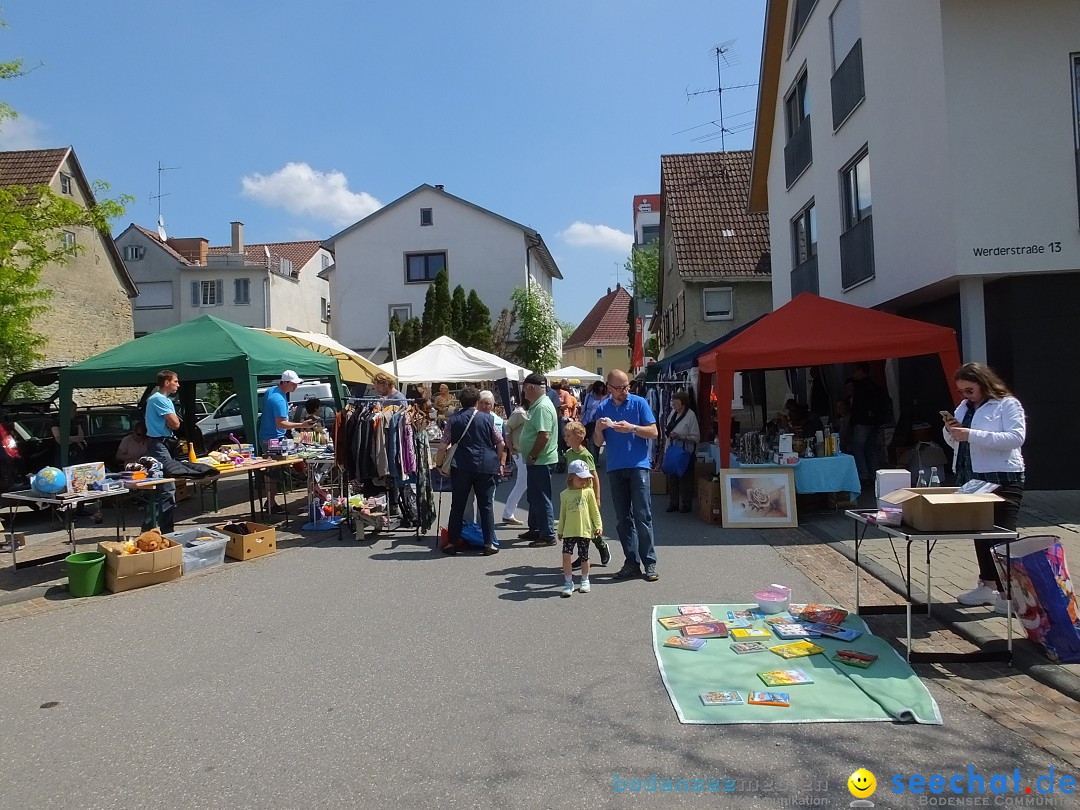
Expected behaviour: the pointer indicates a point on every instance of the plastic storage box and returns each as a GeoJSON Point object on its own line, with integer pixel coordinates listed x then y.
{"type": "Point", "coordinates": [200, 553]}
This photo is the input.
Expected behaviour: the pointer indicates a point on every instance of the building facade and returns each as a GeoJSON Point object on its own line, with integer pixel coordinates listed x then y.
{"type": "Point", "coordinates": [601, 341]}
{"type": "Point", "coordinates": [942, 186]}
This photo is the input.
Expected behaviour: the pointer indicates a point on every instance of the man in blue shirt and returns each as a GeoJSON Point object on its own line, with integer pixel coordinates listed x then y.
{"type": "Point", "coordinates": [625, 423]}
{"type": "Point", "coordinates": [161, 421]}
{"type": "Point", "coordinates": [273, 422]}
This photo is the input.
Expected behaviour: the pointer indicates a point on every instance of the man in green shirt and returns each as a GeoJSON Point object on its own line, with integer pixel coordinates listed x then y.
{"type": "Point", "coordinates": [540, 446]}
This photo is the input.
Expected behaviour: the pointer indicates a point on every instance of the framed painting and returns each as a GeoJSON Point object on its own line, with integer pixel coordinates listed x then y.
{"type": "Point", "coordinates": [758, 499]}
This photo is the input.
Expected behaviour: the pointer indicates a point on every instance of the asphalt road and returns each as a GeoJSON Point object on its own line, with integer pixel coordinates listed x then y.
{"type": "Point", "coordinates": [386, 675]}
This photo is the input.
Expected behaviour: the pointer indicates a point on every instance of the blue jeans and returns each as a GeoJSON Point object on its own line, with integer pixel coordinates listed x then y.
{"type": "Point", "coordinates": [864, 441]}
{"type": "Point", "coordinates": [166, 493]}
{"type": "Point", "coordinates": [538, 495]}
{"type": "Point", "coordinates": [632, 499]}
{"type": "Point", "coordinates": [483, 485]}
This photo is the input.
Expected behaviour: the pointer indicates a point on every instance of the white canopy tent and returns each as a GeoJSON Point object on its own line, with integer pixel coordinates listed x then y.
{"type": "Point", "coordinates": [573, 374]}
{"type": "Point", "coordinates": [514, 372]}
{"type": "Point", "coordinates": [447, 360]}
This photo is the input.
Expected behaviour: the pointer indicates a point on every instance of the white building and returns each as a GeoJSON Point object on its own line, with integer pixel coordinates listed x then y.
{"type": "Point", "coordinates": [275, 285]}
{"type": "Point", "coordinates": [384, 263]}
{"type": "Point", "coordinates": [966, 116]}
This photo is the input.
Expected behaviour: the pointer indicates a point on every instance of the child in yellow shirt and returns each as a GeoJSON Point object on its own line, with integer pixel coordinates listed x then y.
{"type": "Point", "coordinates": [574, 434]}
{"type": "Point", "coordinates": [579, 523]}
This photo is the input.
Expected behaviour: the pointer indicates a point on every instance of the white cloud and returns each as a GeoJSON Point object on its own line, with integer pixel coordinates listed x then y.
{"type": "Point", "coordinates": [582, 234]}
{"type": "Point", "coordinates": [21, 133]}
{"type": "Point", "coordinates": [300, 189]}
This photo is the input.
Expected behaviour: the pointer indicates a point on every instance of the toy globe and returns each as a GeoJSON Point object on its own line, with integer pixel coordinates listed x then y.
{"type": "Point", "coordinates": [49, 481]}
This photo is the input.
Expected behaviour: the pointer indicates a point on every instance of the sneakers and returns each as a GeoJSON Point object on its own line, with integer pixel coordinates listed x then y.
{"type": "Point", "coordinates": [650, 574]}
{"type": "Point", "coordinates": [567, 590]}
{"type": "Point", "coordinates": [584, 587]}
{"type": "Point", "coordinates": [981, 595]}
{"type": "Point", "coordinates": [542, 542]}
{"type": "Point", "coordinates": [628, 572]}
{"type": "Point", "coordinates": [605, 552]}
{"type": "Point", "coordinates": [513, 521]}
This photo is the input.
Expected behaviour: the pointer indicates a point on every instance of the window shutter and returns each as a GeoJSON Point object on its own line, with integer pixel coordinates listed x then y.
{"type": "Point", "coordinates": [220, 297]}
{"type": "Point", "coordinates": [195, 300]}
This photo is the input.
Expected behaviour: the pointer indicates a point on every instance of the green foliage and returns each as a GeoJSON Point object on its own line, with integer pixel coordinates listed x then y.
{"type": "Point", "coordinates": [410, 338]}
{"type": "Point", "coordinates": [442, 303]}
{"type": "Point", "coordinates": [568, 328]}
{"type": "Point", "coordinates": [537, 328]}
{"type": "Point", "coordinates": [477, 324]}
{"type": "Point", "coordinates": [500, 333]}
{"type": "Point", "coordinates": [643, 266]}
{"type": "Point", "coordinates": [218, 392]}
{"type": "Point", "coordinates": [427, 323]}
{"type": "Point", "coordinates": [459, 330]}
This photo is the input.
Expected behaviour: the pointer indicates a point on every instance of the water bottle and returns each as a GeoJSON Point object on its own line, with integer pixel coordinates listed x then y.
{"type": "Point", "coordinates": [922, 479]}
{"type": "Point", "coordinates": [934, 480]}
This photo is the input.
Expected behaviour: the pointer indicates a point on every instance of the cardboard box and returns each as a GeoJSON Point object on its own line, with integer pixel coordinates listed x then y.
{"type": "Point", "coordinates": [708, 494]}
{"type": "Point", "coordinates": [15, 537]}
{"type": "Point", "coordinates": [126, 571]}
{"type": "Point", "coordinates": [259, 541]}
{"type": "Point", "coordinates": [657, 482]}
{"type": "Point", "coordinates": [183, 490]}
{"type": "Point", "coordinates": [942, 509]}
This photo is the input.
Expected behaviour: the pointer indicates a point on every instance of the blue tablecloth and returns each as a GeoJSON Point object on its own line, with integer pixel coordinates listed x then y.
{"type": "Point", "coordinates": [825, 474]}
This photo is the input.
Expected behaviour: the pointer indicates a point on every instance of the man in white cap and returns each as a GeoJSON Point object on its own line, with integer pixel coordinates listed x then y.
{"type": "Point", "coordinates": [273, 422]}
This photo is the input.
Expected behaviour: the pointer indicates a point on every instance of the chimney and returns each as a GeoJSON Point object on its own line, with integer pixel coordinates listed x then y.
{"type": "Point", "coordinates": [237, 237]}
{"type": "Point", "coordinates": [440, 187]}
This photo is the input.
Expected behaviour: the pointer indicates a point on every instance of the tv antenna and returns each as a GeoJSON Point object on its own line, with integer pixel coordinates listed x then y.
{"type": "Point", "coordinates": [725, 56]}
{"type": "Point", "coordinates": [160, 220]}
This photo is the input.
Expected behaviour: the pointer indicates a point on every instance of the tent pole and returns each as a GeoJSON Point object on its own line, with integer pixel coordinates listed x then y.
{"type": "Point", "coordinates": [393, 350]}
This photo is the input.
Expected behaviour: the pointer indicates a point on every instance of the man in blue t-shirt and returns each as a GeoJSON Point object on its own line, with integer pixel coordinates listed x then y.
{"type": "Point", "coordinates": [273, 422]}
{"type": "Point", "coordinates": [625, 423]}
{"type": "Point", "coordinates": [161, 421]}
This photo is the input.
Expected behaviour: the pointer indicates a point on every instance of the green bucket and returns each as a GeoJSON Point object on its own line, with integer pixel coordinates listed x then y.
{"type": "Point", "coordinates": [86, 573]}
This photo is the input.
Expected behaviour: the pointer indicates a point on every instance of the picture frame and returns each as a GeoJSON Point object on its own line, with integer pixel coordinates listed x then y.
{"type": "Point", "coordinates": [759, 498]}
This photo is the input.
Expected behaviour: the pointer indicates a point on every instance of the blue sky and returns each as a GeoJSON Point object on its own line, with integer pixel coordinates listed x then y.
{"type": "Point", "coordinates": [300, 118]}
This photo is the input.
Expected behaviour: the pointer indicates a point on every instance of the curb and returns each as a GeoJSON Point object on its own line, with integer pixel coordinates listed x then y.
{"type": "Point", "coordinates": [1026, 657]}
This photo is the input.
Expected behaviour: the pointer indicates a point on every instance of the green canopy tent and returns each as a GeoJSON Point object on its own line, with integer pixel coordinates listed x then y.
{"type": "Point", "coordinates": [206, 349]}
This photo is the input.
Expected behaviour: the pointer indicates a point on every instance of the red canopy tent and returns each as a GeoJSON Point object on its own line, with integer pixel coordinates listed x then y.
{"type": "Point", "coordinates": [812, 331]}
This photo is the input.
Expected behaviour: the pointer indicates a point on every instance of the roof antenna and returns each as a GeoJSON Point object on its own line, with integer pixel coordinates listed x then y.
{"type": "Point", "coordinates": [725, 56]}
{"type": "Point", "coordinates": [160, 220]}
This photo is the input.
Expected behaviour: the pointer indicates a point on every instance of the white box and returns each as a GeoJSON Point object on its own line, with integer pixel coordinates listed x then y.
{"type": "Point", "coordinates": [890, 481]}
{"type": "Point", "coordinates": [199, 554]}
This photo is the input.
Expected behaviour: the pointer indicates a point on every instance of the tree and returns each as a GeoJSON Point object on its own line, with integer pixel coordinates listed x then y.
{"type": "Point", "coordinates": [427, 324]}
{"type": "Point", "coordinates": [459, 328]}
{"type": "Point", "coordinates": [442, 303]}
{"type": "Point", "coordinates": [643, 266]}
{"type": "Point", "coordinates": [537, 328]}
{"type": "Point", "coordinates": [412, 337]}
{"type": "Point", "coordinates": [477, 323]}
{"type": "Point", "coordinates": [568, 328]}
{"type": "Point", "coordinates": [500, 333]}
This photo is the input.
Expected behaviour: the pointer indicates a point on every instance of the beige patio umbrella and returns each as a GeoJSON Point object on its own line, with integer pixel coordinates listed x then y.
{"type": "Point", "coordinates": [353, 368]}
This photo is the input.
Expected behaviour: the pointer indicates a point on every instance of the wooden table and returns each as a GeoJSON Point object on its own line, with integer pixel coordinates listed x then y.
{"type": "Point", "coordinates": [250, 470]}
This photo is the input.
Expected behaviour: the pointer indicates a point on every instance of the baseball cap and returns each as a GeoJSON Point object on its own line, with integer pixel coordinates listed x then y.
{"type": "Point", "coordinates": [291, 377]}
{"type": "Point", "coordinates": [579, 468]}
{"type": "Point", "coordinates": [535, 379]}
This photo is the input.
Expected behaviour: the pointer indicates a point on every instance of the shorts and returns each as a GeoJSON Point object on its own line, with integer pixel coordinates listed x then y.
{"type": "Point", "coordinates": [582, 544]}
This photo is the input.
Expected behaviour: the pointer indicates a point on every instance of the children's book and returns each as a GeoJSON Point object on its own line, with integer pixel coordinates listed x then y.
{"type": "Point", "coordinates": [691, 609]}
{"type": "Point", "coordinates": [748, 615]}
{"type": "Point", "coordinates": [780, 618]}
{"type": "Point", "coordinates": [792, 630]}
{"type": "Point", "coordinates": [743, 647]}
{"type": "Point", "coordinates": [784, 677]}
{"type": "Point", "coordinates": [818, 613]}
{"type": "Point", "coordinates": [705, 630]}
{"type": "Point", "coordinates": [750, 633]}
{"type": "Point", "coordinates": [732, 623]}
{"type": "Point", "coordinates": [834, 631]}
{"type": "Point", "coordinates": [769, 698]}
{"type": "Point", "coordinates": [854, 658]}
{"type": "Point", "coordinates": [675, 622]}
{"type": "Point", "coordinates": [797, 649]}
{"type": "Point", "coordinates": [729, 698]}
{"type": "Point", "coordinates": [684, 643]}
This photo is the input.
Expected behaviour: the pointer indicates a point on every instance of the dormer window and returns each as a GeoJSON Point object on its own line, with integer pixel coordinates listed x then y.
{"type": "Point", "coordinates": [65, 183]}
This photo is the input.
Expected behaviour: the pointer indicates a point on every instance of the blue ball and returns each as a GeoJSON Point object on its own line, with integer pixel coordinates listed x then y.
{"type": "Point", "coordinates": [49, 481]}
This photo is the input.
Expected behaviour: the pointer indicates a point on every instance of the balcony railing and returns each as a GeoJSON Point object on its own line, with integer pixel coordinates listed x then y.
{"type": "Point", "coordinates": [857, 254]}
{"type": "Point", "coordinates": [847, 85]}
{"type": "Point", "coordinates": [797, 152]}
{"type": "Point", "coordinates": [804, 278]}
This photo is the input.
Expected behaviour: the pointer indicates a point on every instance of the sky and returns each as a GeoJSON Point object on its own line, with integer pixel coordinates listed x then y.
{"type": "Point", "coordinates": [299, 119]}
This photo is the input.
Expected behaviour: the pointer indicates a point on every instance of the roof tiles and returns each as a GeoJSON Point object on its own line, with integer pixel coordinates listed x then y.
{"type": "Point", "coordinates": [607, 323]}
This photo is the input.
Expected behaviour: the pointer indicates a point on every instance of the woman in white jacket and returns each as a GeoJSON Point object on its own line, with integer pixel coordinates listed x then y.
{"type": "Point", "coordinates": [986, 434]}
{"type": "Point", "coordinates": [682, 430]}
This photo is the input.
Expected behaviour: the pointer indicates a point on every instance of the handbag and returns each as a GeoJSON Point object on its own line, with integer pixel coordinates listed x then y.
{"type": "Point", "coordinates": [676, 460]}
{"type": "Point", "coordinates": [444, 468]}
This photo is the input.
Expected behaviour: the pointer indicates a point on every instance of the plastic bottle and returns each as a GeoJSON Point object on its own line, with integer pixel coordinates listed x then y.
{"type": "Point", "coordinates": [922, 478]}
{"type": "Point", "coordinates": [935, 481]}
{"type": "Point", "coordinates": [191, 452]}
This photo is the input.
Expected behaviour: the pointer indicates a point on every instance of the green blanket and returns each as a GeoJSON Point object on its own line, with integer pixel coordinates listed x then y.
{"type": "Point", "coordinates": [887, 690]}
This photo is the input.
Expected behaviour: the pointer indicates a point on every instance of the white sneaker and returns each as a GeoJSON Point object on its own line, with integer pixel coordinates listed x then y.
{"type": "Point", "coordinates": [513, 521]}
{"type": "Point", "coordinates": [982, 595]}
{"type": "Point", "coordinates": [584, 587]}
{"type": "Point", "coordinates": [567, 590]}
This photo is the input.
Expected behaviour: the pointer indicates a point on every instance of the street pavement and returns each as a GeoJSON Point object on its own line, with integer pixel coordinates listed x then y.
{"type": "Point", "coordinates": [385, 674]}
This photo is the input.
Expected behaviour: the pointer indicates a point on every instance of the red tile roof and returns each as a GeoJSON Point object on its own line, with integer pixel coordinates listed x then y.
{"type": "Point", "coordinates": [606, 324]}
{"type": "Point", "coordinates": [705, 197]}
{"type": "Point", "coordinates": [299, 253]}
{"type": "Point", "coordinates": [165, 245]}
{"type": "Point", "coordinates": [32, 167]}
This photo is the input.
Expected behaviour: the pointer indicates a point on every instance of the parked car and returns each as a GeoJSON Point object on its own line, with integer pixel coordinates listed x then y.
{"type": "Point", "coordinates": [217, 427]}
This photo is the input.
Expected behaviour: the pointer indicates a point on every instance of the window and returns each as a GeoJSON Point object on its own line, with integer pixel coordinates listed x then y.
{"type": "Point", "coordinates": [324, 307]}
{"type": "Point", "coordinates": [718, 303]}
{"type": "Point", "coordinates": [325, 261]}
{"type": "Point", "coordinates": [403, 312]}
{"type": "Point", "coordinates": [649, 233]}
{"type": "Point", "coordinates": [844, 30]}
{"type": "Point", "coordinates": [797, 104]}
{"type": "Point", "coordinates": [132, 253]}
{"type": "Point", "coordinates": [242, 291]}
{"type": "Point", "coordinates": [798, 21]}
{"type": "Point", "coordinates": [798, 151]}
{"type": "Point", "coordinates": [68, 240]}
{"type": "Point", "coordinates": [154, 295]}
{"type": "Point", "coordinates": [207, 293]}
{"type": "Point", "coordinates": [425, 217]}
{"type": "Point", "coordinates": [423, 267]}
{"type": "Point", "coordinates": [286, 267]}
{"type": "Point", "coordinates": [599, 352]}
{"type": "Point", "coordinates": [65, 183]}
{"type": "Point", "coordinates": [855, 181]}
{"type": "Point", "coordinates": [600, 370]}
{"type": "Point", "coordinates": [804, 235]}
{"type": "Point", "coordinates": [848, 88]}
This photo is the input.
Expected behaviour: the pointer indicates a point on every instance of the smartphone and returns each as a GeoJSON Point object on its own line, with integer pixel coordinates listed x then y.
{"type": "Point", "coordinates": [947, 416]}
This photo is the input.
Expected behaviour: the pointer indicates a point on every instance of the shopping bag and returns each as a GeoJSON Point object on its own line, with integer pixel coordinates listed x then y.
{"type": "Point", "coordinates": [1046, 603]}
{"type": "Point", "coordinates": [676, 460]}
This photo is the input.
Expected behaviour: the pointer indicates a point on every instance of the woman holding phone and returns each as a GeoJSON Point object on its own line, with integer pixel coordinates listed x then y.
{"type": "Point", "coordinates": [986, 433]}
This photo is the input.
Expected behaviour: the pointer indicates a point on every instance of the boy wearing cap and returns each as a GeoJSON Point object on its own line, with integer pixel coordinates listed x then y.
{"type": "Point", "coordinates": [579, 523]}
{"type": "Point", "coordinates": [273, 422]}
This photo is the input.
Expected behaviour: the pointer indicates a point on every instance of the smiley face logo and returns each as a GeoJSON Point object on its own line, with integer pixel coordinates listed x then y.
{"type": "Point", "coordinates": [862, 784]}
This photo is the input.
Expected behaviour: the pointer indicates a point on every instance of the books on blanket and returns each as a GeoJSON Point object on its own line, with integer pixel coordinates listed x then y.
{"type": "Point", "coordinates": [684, 643]}
{"type": "Point", "coordinates": [744, 647]}
{"type": "Point", "coordinates": [797, 649]}
{"type": "Point", "coordinates": [675, 622]}
{"type": "Point", "coordinates": [726, 698]}
{"type": "Point", "coordinates": [685, 610]}
{"type": "Point", "coordinates": [747, 615]}
{"type": "Point", "coordinates": [818, 613]}
{"type": "Point", "coordinates": [854, 658]}
{"type": "Point", "coordinates": [784, 677]}
{"type": "Point", "coordinates": [834, 631]}
{"type": "Point", "coordinates": [705, 630]}
{"type": "Point", "coordinates": [750, 633]}
{"type": "Point", "coordinates": [769, 698]}
{"type": "Point", "coordinates": [780, 618]}
{"type": "Point", "coordinates": [792, 630]}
